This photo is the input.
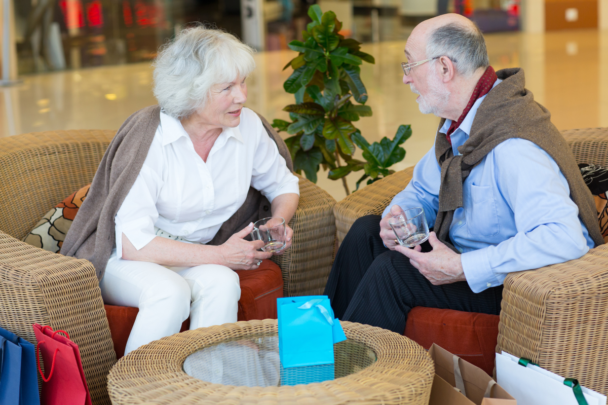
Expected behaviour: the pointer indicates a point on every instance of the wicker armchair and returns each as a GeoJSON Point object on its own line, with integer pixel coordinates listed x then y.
{"type": "Point", "coordinates": [558, 315]}
{"type": "Point", "coordinates": [37, 171]}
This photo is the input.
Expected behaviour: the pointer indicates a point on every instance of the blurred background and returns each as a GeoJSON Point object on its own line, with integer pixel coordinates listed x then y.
{"type": "Point", "coordinates": [86, 64]}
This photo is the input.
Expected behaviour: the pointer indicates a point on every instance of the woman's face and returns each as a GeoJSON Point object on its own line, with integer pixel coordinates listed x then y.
{"type": "Point", "coordinates": [225, 104]}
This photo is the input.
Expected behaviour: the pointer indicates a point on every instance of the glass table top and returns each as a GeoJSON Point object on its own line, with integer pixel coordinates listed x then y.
{"type": "Point", "coordinates": [254, 362]}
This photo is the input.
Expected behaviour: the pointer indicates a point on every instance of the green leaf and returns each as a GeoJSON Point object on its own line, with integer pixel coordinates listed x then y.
{"type": "Point", "coordinates": [344, 89]}
{"type": "Point", "coordinates": [351, 44]}
{"type": "Point", "coordinates": [339, 172]}
{"type": "Point", "coordinates": [333, 129]}
{"type": "Point", "coordinates": [289, 63]}
{"type": "Point", "coordinates": [369, 151]}
{"type": "Point", "coordinates": [297, 62]}
{"type": "Point", "coordinates": [349, 116]}
{"type": "Point", "coordinates": [308, 73]}
{"type": "Point", "coordinates": [352, 59]}
{"type": "Point", "coordinates": [305, 108]}
{"type": "Point", "coordinates": [309, 28]}
{"type": "Point", "coordinates": [280, 125]}
{"type": "Point", "coordinates": [306, 123]}
{"type": "Point", "coordinates": [324, 34]}
{"type": "Point", "coordinates": [306, 34]}
{"type": "Point", "coordinates": [361, 110]}
{"type": "Point", "coordinates": [329, 158]}
{"type": "Point", "coordinates": [365, 176]}
{"type": "Point", "coordinates": [340, 130]}
{"type": "Point", "coordinates": [355, 84]}
{"type": "Point", "coordinates": [337, 56]}
{"type": "Point", "coordinates": [314, 92]}
{"type": "Point", "coordinates": [328, 19]}
{"type": "Point", "coordinates": [330, 144]}
{"type": "Point", "coordinates": [338, 27]}
{"type": "Point", "coordinates": [365, 56]}
{"type": "Point", "coordinates": [308, 162]}
{"type": "Point", "coordinates": [315, 13]}
{"type": "Point", "coordinates": [299, 96]}
{"type": "Point", "coordinates": [310, 46]}
{"type": "Point", "coordinates": [293, 144]}
{"type": "Point", "coordinates": [393, 152]}
{"type": "Point", "coordinates": [307, 141]}
{"type": "Point", "coordinates": [292, 84]}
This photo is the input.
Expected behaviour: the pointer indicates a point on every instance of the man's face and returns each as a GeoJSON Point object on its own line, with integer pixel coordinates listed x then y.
{"type": "Point", "coordinates": [424, 80]}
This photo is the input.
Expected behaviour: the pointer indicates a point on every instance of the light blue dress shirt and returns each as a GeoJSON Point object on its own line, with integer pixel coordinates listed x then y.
{"type": "Point", "coordinates": [517, 214]}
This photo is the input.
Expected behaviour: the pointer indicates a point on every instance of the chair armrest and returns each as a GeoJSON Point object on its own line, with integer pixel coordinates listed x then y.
{"type": "Point", "coordinates": [306, 265]}
{"type": "Point", "coordinates": [37, 286]}
{"type": "Point", "coordinates": [557, 316]}
{"type": "Point", "coordinates": [370, 200]}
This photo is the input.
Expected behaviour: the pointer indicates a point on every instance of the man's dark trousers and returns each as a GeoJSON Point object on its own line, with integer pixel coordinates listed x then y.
{"type": "Point", "coordinates": [373, 285]}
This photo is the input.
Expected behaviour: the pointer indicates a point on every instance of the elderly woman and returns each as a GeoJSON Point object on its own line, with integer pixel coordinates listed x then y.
{"type": "Point", "coordinates": [170, 179]}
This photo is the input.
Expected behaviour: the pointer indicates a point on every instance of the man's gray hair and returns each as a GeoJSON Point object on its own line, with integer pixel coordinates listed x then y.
{"type": "Point", "coordinates": [198, 58]}
{"type": "Point", "coordinates": [463, 45]}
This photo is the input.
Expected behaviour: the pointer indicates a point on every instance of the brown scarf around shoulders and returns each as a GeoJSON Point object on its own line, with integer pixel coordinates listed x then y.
{"type": "Point", "coordinates": [508, 111]}
{"type": "Point", "coordinates": [92, 234]}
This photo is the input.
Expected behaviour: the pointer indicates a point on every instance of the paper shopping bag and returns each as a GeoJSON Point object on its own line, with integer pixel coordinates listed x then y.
{"type": "Point", "coordinates": [63, 378]}
{"type": "Point", "coordinates": [458, 382]}
{"type": "Point", "coordinates": [307, 331]}
{"type": "Point", "coordinates": [18, 380]}
{"type": "Point", "coordinates": [533, 385]}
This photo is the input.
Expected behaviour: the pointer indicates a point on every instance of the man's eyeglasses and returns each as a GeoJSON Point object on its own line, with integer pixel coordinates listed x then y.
{"type": "Point", "coordinates": [407, 67]}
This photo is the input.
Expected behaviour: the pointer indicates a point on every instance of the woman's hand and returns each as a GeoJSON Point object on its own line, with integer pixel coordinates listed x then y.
{"type": "Point", "coordinates": [239, 254]}
{"type": "Point", "coordinates": [288, 236]}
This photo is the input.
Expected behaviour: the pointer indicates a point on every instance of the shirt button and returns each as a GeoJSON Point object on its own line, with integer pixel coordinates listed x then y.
{"type": "Point", "coordinates": [489, 284]}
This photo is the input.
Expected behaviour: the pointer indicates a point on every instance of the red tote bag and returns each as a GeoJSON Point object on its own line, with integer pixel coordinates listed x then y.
{"type": "Point", "coordinates": [63, 379]}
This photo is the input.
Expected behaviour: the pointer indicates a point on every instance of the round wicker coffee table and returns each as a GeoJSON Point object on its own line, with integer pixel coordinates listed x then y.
{"type": "Point", "coordinates": [237, 364]}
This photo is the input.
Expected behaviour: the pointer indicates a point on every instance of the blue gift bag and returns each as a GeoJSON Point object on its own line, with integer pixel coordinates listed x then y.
{"type": "Point", "coordinates": [307, 331]}
{"type": "Point", "coordinates": [307, 374]}
{"type": "Point", "coordinates": [18, 380]}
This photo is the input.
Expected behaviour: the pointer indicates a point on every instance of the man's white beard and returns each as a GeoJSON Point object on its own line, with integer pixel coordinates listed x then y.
{"type": "Point", "coordinates": [437, 98]}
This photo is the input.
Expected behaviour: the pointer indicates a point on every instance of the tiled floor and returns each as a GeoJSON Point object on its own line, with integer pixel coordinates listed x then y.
{"type": "Point", "coordinates": [566, 71]}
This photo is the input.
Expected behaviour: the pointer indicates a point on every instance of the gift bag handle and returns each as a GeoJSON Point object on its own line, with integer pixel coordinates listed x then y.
{"type": "Point", "coordinates": [320, 307]}
{"type": "Point", "coordinates": [45, 379]}
{"type": "Point", "coordinates": [62, 331]}
{"type": "Point", "coordinates": [458, 375]}
{"type": "Point", "coordinates": [576, 388]}
{"type": "Point", "coordinates": [570, 382]}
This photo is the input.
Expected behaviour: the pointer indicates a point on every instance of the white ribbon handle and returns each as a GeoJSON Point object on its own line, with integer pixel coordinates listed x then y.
{"type": "Point", "coordinates": [321, 309]}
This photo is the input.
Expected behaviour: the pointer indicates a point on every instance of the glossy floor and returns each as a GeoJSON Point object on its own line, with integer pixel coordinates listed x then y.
{"type": "Point", "coordinates": [566, 71]}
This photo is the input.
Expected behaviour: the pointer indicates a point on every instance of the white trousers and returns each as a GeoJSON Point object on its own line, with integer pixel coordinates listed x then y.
{"type": "Point", "coordinates": [209, 294]}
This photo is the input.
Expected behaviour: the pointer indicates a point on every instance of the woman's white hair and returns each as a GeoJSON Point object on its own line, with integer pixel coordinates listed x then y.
{"type": "Point", "coordinates": [198, 58]}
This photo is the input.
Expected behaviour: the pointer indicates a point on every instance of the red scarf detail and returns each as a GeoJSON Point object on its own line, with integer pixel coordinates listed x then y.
{"type": "Point", "coordinates": [483, 87]}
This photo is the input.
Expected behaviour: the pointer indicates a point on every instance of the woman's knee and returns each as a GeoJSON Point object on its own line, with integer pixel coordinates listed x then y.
{"type": "Point", "coordinates": [215, 277]}
{"type": "Point", "coordinates": [171, 292]}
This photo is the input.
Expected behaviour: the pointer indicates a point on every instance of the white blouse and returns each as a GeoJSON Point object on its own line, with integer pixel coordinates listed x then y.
{"type": "Point", "coordinates": [177, 192]}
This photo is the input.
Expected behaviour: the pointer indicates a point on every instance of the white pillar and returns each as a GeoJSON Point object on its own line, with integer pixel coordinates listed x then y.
{"type": "Point", "coordinates": [252, 23]}
{"type": "Point", "coordinates": [533, 16]}
{"type": "Point", "coordinates": [7, 44]}
{"type": "Point", "coordinates": [602, 14]}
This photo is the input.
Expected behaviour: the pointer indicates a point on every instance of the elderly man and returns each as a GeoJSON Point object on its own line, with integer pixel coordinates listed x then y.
{"type": "Point", "coordinates": [500, 187]}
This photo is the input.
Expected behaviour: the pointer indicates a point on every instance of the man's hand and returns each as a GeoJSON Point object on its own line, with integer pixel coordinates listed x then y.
{"type": "Point", "coordinates": [440, 266]}
{"type": "Point", "coordinates": [386, 232]}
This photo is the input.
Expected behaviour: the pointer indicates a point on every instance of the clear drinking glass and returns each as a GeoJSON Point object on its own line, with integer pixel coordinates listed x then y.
{"type": "Point", "coordinates": [410, 227]}
{"type": "Point", "coordinates": [272, 231]}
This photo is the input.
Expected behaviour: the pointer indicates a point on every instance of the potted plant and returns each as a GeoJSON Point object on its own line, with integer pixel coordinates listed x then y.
{"type": "Point", "coordinates": [329, 97]}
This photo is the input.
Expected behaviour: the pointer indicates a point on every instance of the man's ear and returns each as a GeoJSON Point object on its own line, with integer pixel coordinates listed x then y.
{"type": "Point", "coordinates": [448, 70]}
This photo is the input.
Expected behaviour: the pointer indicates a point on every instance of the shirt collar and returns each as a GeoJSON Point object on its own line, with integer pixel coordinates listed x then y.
{"type": "Point", "coordinates": [172, 130]}
{"type": "Point", "coordinates": [467, 123]}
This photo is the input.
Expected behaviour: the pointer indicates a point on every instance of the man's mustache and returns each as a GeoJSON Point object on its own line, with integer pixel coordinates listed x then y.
{"type": "Point", "coordinates": [414, 90]}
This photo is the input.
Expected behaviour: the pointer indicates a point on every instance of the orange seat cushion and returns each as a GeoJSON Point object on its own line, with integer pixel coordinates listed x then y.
{"type": "Point", "coordinates": [259, 292]}
{"type": "Point", "coordinates": [469, 335]}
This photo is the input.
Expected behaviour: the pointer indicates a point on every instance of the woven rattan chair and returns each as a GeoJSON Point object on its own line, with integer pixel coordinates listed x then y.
{"type": "Point", "coordinates": [558, 315]}
{"type": "Point", "coordinates": [37, 171]}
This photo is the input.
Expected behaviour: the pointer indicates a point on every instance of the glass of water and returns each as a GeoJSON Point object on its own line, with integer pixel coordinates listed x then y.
{"type": "Point", "coordinates": [410, 227]}
{"type": "Point", "coordinates": [272, 231]}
